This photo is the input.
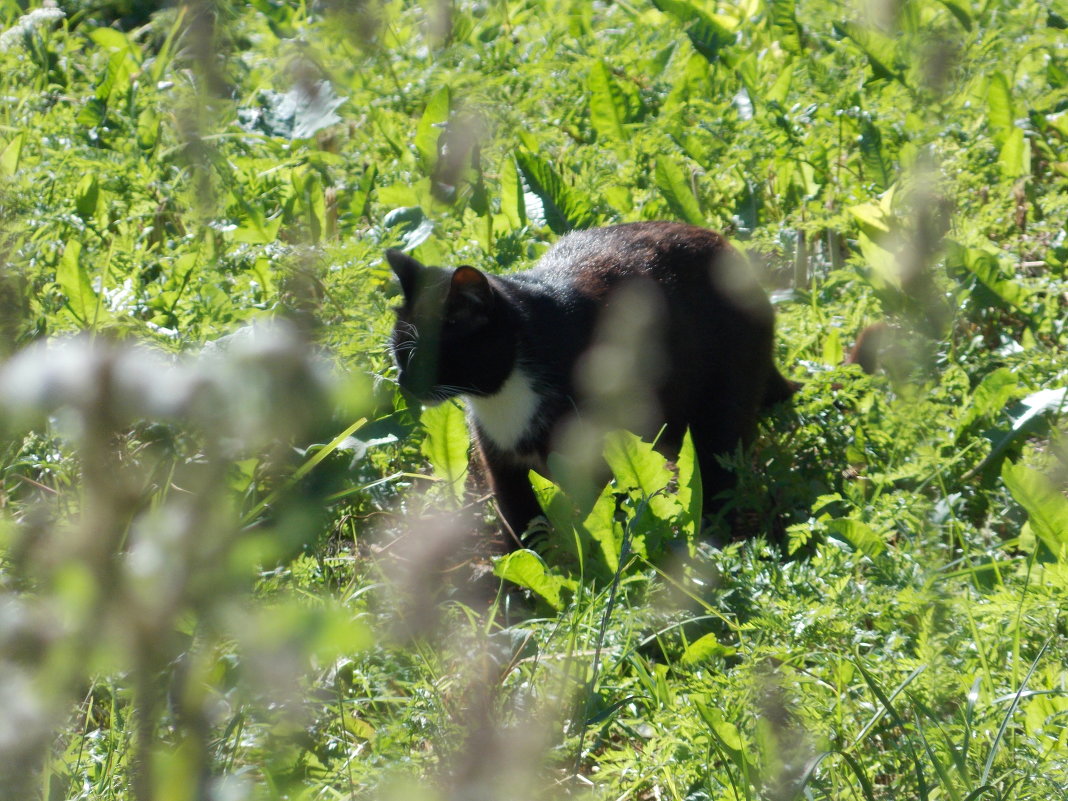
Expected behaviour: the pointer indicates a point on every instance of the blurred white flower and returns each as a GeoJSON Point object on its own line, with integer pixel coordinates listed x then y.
{"type": "Point", "coordinates": [28, 23]}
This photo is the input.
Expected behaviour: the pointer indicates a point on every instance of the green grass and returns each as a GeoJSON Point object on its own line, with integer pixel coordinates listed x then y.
{"type": "Point", "coordinates": [234, 563]}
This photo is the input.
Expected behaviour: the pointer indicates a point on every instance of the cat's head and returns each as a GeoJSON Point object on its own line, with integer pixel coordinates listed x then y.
{"type": "Point", "coordinates": [454, 333]}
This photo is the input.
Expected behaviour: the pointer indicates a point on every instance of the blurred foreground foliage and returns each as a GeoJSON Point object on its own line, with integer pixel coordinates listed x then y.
{"type": "Point", "coordinates": [234, 564]}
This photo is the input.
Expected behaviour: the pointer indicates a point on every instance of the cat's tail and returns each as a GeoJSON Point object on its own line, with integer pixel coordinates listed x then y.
{"type": "Point", "coordinates": [867, 352]}
{"type": "Point", "coordinates": [779, 389]}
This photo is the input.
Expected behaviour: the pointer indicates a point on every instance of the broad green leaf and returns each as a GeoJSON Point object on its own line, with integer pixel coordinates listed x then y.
{"type": "Point", "coordinates": [778, 91]}
{"type": "Point", "coordinates": [554, 503]}
{"type": "Point", "coordinates": [725, 731]}
{"type": "Point", "coordinates": [987, 270]}
{"type": "Point", "coordinates": [959, 10]}
{"type": "Point", "coordinates": [117, 77]}
{"type": "Point", "coordinates": [784, 18]}
{"type": "Point", "coordinates": [859, 535]}
{"type": "Point", "coordinates": [878, 48]}
{"type": "Point", "coordinates": [1000, 110]}
{"type": "Point", "coordinates": [604, 529]}
{"type": "Point", "coordinates": [12, 153]}
{"type": "Point", "coordinates": [564, 209]}
{"type": "Point", "coordinates": [690, 492]}
{"type": "Point", "coordinates": [446, 445]}
{"type": "Point", "coordinates": [86, 197]}
{"type": "Point", "coordinates": [872, 215]}
{"type": "Point", "coordinates": [429, 130]}
{"type": "Point", "coordinates": [703, 649]}
{"type": "Point", "coordinates": [254, 227]}
{"type": "Point", "coordinates": [832, 351]}
{"type": "Point", "coordinates": [637, 466]}
{"type": "Point", "coordinates": [989, 398]}
{"type": "Point", "coordinates": [73, 280]}
{"type": "Point", "coordinates": [608, 107]}
{"type": "Point", "coordinates": [877, 167]}
{"type": "Point", "coordinates": [1015, 157]}
{"type": "Point", "coordinates": [114, 40]}
{"type": "Point", "coordinates": [148, 127]}
{"type": "Point", "coordinates": [1046, 507]}
{"type": "Point", "coordinates": [361, 197]}
{"type": "Point", "coordinates": [884, 272]}
{"type": "Point", "coordinates": [513, 205]}
{"type": "Point", "coordinates": [527, 569]}
{"type": "Point", "coordinates": [671, 181]}
{"type": "Point", "coordinates": [707, 34]}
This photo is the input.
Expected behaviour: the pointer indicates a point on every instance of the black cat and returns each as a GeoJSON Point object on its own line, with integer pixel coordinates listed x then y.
{"type": "Point", "coordinates": [520, 348]}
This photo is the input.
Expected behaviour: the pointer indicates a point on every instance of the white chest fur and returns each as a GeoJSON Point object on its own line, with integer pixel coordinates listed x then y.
{"type": "Point", "coordinates": [509, 414]}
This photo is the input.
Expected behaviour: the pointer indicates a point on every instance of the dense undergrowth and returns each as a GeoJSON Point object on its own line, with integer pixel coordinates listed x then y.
{"type": "Point", "coordinates": [233, 562]}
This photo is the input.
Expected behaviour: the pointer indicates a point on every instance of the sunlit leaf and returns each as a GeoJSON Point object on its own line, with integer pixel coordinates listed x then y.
{"type": "Point", "coordinates": [676, 190]}
{"type": "Point", "coordinates": [73, 280]}
{"type": "Point", "coordinates": [527, 569]}
{"type": "Point", "coordinates": [707, 35]}
{"type": "Point", "coordinates": [428, 131]}
{"type": "Point", "coordinates": [1000, 110]}
{"type": "Point", "coordinates": [10, 155]}
{"type": "Point", "coordinates": [1046, 507]}
{"type": "Point", "coordinates": [859, 535]}
{"type": "Point", "coordinates": [446, 445]}
{"type": "Point", "coordinates": [608, 108]}
{"type": "Point", "coordinates": [564, 209]}
{"type": "Point", "coordinates": [703, 649]}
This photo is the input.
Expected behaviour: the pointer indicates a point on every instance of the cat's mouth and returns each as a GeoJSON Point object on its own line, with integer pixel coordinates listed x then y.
{"type": "Point", "coordinates": [431, 396]}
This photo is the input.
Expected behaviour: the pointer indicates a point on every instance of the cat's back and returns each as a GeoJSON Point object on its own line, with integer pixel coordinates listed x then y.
{"type": "Point", "coordinates": [593, 261]}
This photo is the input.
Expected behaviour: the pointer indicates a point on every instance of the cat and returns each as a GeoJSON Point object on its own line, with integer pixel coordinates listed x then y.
{"type": "Point", "coordinates": [517, 348]}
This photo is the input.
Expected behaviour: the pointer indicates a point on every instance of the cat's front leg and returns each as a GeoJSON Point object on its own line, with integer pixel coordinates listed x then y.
{"type": "Point", "coordinates": [515, 497]}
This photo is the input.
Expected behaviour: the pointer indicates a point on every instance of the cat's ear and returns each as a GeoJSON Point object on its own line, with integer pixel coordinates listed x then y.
{"type": "Point", "coordinates": [471, 284]}
{"type": "Point", "coordinates": [406, 269]}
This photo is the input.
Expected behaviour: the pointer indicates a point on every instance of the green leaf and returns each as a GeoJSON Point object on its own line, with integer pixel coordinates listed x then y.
{"type": "Point", "coordinates": [429, 130]}
{"type": "Point", "coordinates": [725, 732]}
{"type": "Point", "coordinates": [1000, 110]}
{"type": "Point", "coordinates": [991, 396]}
{"type": "Point", "coordinates": [873, 216]}
{"type": "Point", "coordinates": [86, 197]}
{"type": "Point", "coordinates": [706, 34]}
{"type": "Point", "coordinates": [564, 210]}
{"type": "Point", "coordinates": [361, 198]}
{"type": "Point", "coordinates": [446, 445]}
{"type": "Point", "coordinates": [73, 280]}
{"type": "Point", "coordinates": [148, 127]}
{"type": "Point", "coordinates": [1046, 507]}
{"type": "Point", "coordinates": [608, 107]}
{"type": "Point", "coordinates": [703, 649]}
{"type": "Point", "coordinates": [554, 503]}
{"type": "Point", "coordinates": [960, 11]}
{"type": "Point", "coordinates": [676, 190]}
{"type": "Point", "coordinates": [985, 267]}
{"type": "Point", "coordinates": [690, 492]}
{"type": "Point", "coordinates": [605, 529]}
{"type": "Point", "coordinates": [878, 48]}
{"type": "Point", "coordinates": [877, 167]}
{"type": "Point", "coordinates": [527, 569]}
{"type": "Point", "coordinates": [1015, 157]}
{"type": "Point", "coordinates": [637, 466]}
{"type": "Point", "coordinates": [513, 205]}
{"type": "Point", "coordinates": [254, 227]}
{"type": "Point", "coordinates": [11, 154]}
{"type": "Point", "coordinates": [784, 18]}
{"type": "Point", "coordinates": [862, 537]}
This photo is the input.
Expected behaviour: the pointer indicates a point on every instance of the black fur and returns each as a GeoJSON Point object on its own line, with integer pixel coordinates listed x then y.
{"type": "Point", "coordinates": [462, 332]}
